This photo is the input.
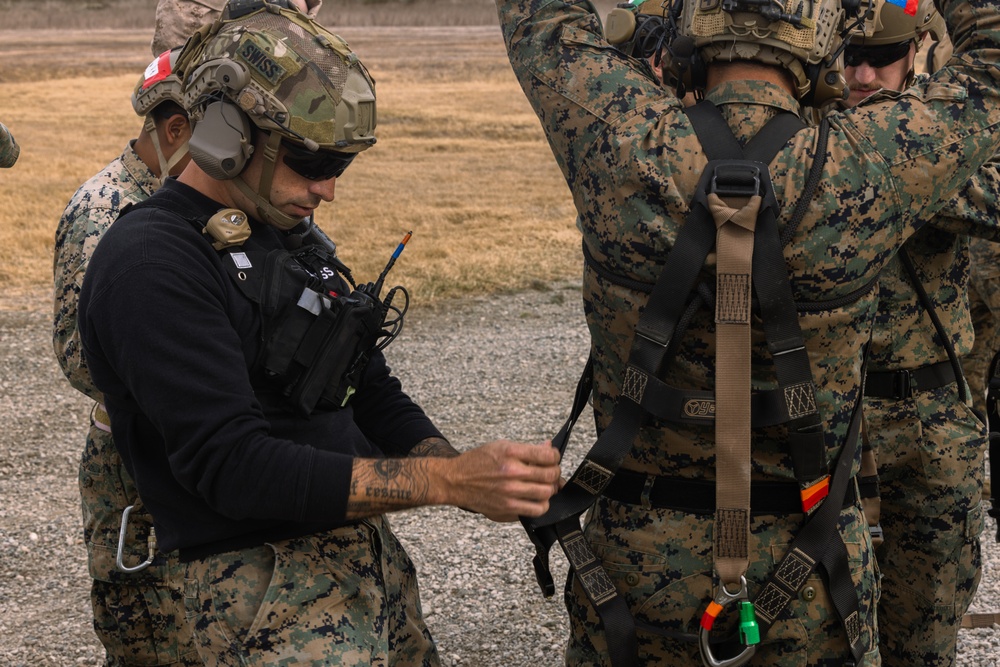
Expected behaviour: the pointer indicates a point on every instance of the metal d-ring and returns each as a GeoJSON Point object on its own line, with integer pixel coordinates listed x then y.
{"type": "Point", "coordinates": [150, 542]}
{"type": "Point", "coordinates": [722, 600]}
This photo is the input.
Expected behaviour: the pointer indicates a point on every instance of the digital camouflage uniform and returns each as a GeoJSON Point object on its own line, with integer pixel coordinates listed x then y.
{"type": "Point", "coordinates": [632, 162]}
{"type": "Point", "coordinates": [984, 280]}
{"type": "Point", "coordinates": [9, 150]}
{"type": "Point", "coordinates": [139, 617]}
{"type": "Point", "coordinates": [296, 602]}
{"type": "Point", "coordinates": [929, 446]}
{"type": "Point", "coordinates": [176, 20]}
{"type": "Point", "coordinates": [984, 304]}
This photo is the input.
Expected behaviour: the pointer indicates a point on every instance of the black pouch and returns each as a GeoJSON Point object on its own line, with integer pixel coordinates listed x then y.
{"type": "Point", "coordinates": [319, 352]}
{"type": "Point", "coordinates": [317, 332]}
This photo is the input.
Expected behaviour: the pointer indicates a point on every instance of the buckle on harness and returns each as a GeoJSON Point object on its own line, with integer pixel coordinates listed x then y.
{"type": "Point", "coordinates": [736, 180]}
{"type": "Point", "coordinates": [723, 599]}
{"type": "Point", "coordinates": [901, 384]}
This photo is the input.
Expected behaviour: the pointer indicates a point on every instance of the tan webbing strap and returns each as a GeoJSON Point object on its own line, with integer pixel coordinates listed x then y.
{"type": "Point", "coordinates": [984, 620]}
{"type": "Point", "coordinates": [734, 247]}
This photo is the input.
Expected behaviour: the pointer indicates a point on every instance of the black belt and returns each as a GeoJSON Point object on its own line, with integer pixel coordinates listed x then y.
{"type": "Point", "coordinates": [901, 384]}
{"type": "Point", "coordinates": [697, 496]}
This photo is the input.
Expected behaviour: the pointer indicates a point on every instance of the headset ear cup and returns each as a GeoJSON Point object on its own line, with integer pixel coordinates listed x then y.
{"type": "Point", "coordinates": [683, 68]}
{"type": "Point", "coordinates": [220, 142]}
{"type": "Point", "coordinates": [827, 84]}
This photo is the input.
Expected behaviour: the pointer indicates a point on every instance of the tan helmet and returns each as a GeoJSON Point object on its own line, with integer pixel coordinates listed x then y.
{"type": "Point", "coordinates": [278, 70]}
{"type": "Point", "coordinates": [803, 37]}
{"type": "Point", "coordinates": [638, 28]}
{"type": "Point", "coordinates": [160, 83]}
{"type": "Point", "coordinates": [888, 23]}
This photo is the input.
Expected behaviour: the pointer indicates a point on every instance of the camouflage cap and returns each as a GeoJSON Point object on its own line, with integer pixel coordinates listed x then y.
{"type": "Point", "coordinates": [288, 74]}
{"type": "Point", "coordinates": [176, 20]}
{"type": "Point", "coordinates": [9, 150]}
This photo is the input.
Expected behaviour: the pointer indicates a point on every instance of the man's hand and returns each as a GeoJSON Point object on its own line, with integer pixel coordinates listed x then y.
{"type": "Point", "coordinates": [502, 480]}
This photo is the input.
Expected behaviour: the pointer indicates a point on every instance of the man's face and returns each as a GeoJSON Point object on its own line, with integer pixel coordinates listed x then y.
{"type": "Point", "coordinates": [872, 68]}
{"type": "Point", "coordinates": [293, 193]}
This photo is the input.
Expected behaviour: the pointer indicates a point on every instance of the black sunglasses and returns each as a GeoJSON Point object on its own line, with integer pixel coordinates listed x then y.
{"type": "Point", "coordinates": [318, 166]}
{"type": "Point", "coordinates": [876, 56]}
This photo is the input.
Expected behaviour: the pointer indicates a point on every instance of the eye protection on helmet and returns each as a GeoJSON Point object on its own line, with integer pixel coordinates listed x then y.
{"type": "Point", "coordinates": [876, 56]}
{"type": "Point", "coordinates": [316, 166]}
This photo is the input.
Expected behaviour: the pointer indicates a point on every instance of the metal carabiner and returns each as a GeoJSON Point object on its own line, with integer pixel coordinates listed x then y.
{"type": "Point", "coordinates": [150, 543]}
{"type": "Point", "coordinates": [722, 600]}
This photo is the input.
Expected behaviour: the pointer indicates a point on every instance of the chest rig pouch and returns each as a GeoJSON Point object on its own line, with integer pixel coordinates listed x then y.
{"type": "Point", "coordinates": [318, 332]}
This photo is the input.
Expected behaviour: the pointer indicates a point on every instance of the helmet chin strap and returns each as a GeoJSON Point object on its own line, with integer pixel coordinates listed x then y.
{"type": "Point", "coordinates": [261, 197]}
{"type": "Point", "coordinates": [149, 125]}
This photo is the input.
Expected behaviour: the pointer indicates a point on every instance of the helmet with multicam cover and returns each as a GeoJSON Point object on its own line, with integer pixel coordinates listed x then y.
{"type": "Point", "coordinates": [276, 69]}
{"type": "Point", "coordinates": [803, 37]}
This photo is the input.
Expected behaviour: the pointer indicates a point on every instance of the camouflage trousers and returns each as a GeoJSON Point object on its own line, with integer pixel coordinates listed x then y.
{"type": "Point", "coordinates": [984, 307]}
{"type": "Point", "coordinates": [345, 597]}
{"type": "Point", "coordinates": [138, 617]}
{"type": "Point", "coordinates": [930, 450]}
{"type": "Point", "coordinates": [661, 563]}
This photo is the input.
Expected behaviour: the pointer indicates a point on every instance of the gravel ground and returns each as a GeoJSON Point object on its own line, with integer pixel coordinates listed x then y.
{"type": "Point", "coordinates": [483, 368]}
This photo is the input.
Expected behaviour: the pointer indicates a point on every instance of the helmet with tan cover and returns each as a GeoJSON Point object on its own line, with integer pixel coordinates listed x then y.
{"type": "Point", "coordinates": [887, 32]}
{"type": "Point", "coordinates": [803, 37]}
{"type": "Point", "coordinates": [887, 23]}
{"type": "Point", "coordinates": [159, 93]}
{"type": "Point", "coordinates": [267, 67]}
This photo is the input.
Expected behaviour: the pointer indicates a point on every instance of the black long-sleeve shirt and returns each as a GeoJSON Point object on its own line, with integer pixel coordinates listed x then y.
{"type": "Point", "coordinates": [217, 459]}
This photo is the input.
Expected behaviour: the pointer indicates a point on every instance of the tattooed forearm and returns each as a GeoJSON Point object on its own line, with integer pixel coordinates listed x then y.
{"type": "Point", "coordinates": [384, 485]}
{"type": "Point", "coordinates": [434, 447]}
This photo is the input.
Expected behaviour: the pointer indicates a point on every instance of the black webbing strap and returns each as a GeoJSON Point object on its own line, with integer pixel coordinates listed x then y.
{"type": "Point", "coordinates": [925, 301]}
{"type": "Point", "coordinates": [657, 324]}
{"type": "Point", "coordinates": [820, 543]}
{"type": "Point", "coordinates": [993, 423]}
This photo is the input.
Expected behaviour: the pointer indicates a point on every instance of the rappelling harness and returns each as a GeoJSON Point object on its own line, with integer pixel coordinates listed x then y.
{"type": "Point", "coordinates": [734, 212]}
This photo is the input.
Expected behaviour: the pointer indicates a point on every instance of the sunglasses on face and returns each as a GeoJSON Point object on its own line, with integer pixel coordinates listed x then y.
{"type": "Point", "coordinates": [876, 56]}
{"type": "Point", "coordinates": [318, 166]}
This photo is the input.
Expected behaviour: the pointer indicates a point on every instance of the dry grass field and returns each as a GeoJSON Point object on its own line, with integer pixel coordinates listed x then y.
{"type": "Point", "coordinates": [460, 160]}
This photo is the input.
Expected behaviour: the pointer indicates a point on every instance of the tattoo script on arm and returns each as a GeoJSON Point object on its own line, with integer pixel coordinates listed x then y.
{"type": "Point", "coordinates": [384, 485]}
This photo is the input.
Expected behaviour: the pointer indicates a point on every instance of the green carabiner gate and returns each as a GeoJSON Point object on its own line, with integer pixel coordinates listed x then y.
{"type": "Point", "coordinates": [722, 600]}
